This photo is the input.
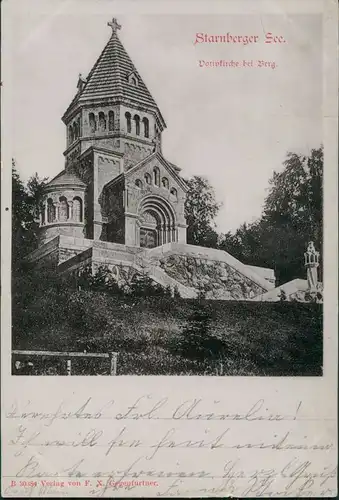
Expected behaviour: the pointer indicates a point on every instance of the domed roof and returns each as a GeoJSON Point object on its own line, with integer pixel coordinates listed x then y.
{"type": "Point", "coordinates": [65, 179]}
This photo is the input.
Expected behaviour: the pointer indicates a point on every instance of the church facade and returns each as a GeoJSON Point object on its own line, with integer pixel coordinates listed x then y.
{"type": "Point", "coordinates": [117, 186]}
{"type": "Point", "coordinates": [119, 202]}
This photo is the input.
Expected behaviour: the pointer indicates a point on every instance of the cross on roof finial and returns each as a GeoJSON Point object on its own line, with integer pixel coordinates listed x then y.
{"type": "Point", "coordinates": [114, 25]}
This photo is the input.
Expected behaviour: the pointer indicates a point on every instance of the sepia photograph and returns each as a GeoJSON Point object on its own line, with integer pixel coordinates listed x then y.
{"type": "Point", "coordinates": [169, 248]}
{"type": "Point", "coordinates": [167, 195]}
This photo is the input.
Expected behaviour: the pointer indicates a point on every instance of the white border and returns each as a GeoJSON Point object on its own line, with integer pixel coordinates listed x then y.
{"type": "Point", "coordinates": [318, 393]}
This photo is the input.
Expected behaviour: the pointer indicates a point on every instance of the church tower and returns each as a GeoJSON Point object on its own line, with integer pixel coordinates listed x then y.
{"type": "Point", "coordinates": [113, 109]}
{"type": "Point", "coordinates": [118, 186]}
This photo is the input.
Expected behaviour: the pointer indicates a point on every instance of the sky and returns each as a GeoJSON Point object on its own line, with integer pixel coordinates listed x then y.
{"type": "Point", "coordinates": [231, 125]}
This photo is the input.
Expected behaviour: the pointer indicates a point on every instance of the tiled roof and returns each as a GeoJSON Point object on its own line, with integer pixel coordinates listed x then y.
{"type": "Point", "coordinates": [65, 178]}
{"type": "Point", "coordinates": [109, 78]}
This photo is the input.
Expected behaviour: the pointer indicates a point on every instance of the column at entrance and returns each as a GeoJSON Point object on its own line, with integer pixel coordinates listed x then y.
{"type": "Point", "coordinates": [163, 234]}
{"type": "Point", "coordinates": [157, 222]}
{"type": "Point", "coordinates": [169, 234]}
{"type": "Point", "coordinates": [151, 236]}
{"type": "Point", "coordinates": [160, 236]}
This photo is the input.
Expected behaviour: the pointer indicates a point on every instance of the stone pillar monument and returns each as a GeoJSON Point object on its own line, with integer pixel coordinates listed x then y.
{"type": "Point", "coordinates": [312, 264]}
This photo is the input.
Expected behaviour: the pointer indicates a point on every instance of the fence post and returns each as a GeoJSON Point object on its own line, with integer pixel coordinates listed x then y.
{"type": "Point", "coordinates": [219, 370]}
{"type": "Point", "coordinates": [69, 367]}
{"type": "Point", "coordinates": [113, 356]}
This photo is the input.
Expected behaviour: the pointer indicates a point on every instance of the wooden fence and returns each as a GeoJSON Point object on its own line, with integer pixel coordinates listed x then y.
{"type": "Point", "coordinates": [112, 356]}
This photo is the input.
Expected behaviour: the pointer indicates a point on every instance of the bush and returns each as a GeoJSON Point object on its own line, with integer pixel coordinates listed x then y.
{"type": "Point", "coordinates": [313, 297]}
{"type": "Point", "coordinates": [85, 314]}
{"type": "Point", "coordinates": [176, 293]}
{"type": "Point", "coordinates": [100, 281]}
{"type": "Point", "coordinates": [196, 341]}
{"type": "Point", "coordinates": [138, 285]}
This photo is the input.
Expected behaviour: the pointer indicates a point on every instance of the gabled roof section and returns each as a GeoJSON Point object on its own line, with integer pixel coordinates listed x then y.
{"type": "Point", "coordinates": [110, 79]}
{"type": "Point", "coordinates": [119, 178]}
{"type": "Point", "coordinates": [66, 179]}
{"type": "Point", "coordinates": [178, 169]}
{"type": "Point", "coordinates": [169, 166]}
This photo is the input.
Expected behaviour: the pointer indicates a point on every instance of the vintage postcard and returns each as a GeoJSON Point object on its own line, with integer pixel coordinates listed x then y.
{"type": "Point", "coordinates": [169, 248]}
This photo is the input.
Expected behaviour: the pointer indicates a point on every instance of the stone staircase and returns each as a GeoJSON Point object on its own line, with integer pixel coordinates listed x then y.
{"type": "Point", "coordinates": [254, 274]}
{"type": "Point", "coordinates": [163, 279]}
{"type": "Point", "coordinates": [71, 254]}
{"type": "Point", "coordinates": [113, 254]}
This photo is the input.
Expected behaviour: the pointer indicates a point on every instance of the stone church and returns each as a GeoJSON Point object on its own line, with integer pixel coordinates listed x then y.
{"type": "Point", "coordinates": [119, 202]}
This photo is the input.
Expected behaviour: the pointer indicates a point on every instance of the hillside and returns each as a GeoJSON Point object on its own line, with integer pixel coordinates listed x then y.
{"type": "Point", "coordinates": [152, 335]}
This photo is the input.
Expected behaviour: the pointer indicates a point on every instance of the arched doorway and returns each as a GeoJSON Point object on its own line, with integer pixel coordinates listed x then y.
{"type": "Point", "coordinates": [156, 222]}
{"type": "Point", "coordinates": [149, 225]}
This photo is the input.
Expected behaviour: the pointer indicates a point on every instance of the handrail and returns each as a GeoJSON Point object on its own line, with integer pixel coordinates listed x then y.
{"type": "Point", "coordinates": [64, 354]}
{"type": "Point", "coordinates": [112, 356]}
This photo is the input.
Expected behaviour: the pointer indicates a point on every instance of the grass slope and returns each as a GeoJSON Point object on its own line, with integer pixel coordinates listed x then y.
{"type": "Point", "coordinates": [274, 339]}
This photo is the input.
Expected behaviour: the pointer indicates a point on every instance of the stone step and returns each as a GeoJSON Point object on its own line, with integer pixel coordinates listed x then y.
{"type": "Point", "coordinates": [163, 279]}
{"type": "Point", "coordinates": [211, 254]}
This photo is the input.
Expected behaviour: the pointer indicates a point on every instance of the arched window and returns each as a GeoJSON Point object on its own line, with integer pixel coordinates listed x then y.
{"type": "Point", "coordinates": [128, 122]}
{"type": "Point", "coordinates": [137, 124]}
{"type": "Point", "coordinates": [146, 127]}
{"type": "Point", "coordinates": [92, 122]}
{"type": "Point", "coordinates": [70, 134]}
{"type": "Point", "coordinates": [51, 212]}
{"type": "Point", "coordinates": [148, 179]}
{"type": "Point", "coordinates": [174, 193]}
{"type": "Point", "coordinates": [110, 121]}
{"type": "Point", "coordinates": [77, 209]}
{"type": "Point", "coordinates": [42, 212]}
{"type": "Point", "coordinates": [63, 209]}
{"type": "Point", "coordinates": [156, 176]}
{"type": "Point", "coordinates": [75, 130]}
{"type": "Point", "coordinates": [165, 182]}
{"type": "Point", "coordinates": [102, 121]}
{"type": "Point", "coordinates": [138, 183]}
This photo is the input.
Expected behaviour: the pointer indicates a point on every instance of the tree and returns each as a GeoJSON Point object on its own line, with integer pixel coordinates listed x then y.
{"type": "Point", "coordinates": [244, 244]}
{"type": "Point", "coordinates": [196, 340]}
{"type": "Point", "coordinates": [35, 189]}
{"type": "Point", "coordinates": [19, 215]}
{"type": "Point", "coordinates": [295, 198]}
{"type": "Point", "coordinates": [25, 209]}
{"type": "Point", "coordinates": [201, 209]}
{"type": "Point", "coordinates": [293, 213]}
{"type": "Point", "coordinates": [292, 217]}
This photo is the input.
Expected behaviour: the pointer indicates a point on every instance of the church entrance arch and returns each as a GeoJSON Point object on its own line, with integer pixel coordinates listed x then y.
{"type": "Point", "coordinates": [150, 224]}
{"type": "Point", "coordinates": [156, 222]}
